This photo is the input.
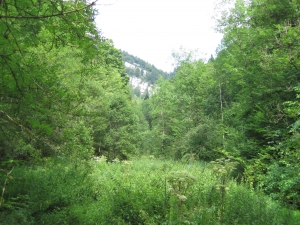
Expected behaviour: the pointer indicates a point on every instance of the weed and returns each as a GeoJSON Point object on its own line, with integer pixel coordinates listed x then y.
{"type": "Point", "coordinates": [141, 191]}
{"type": "Point", "coordinates": [223, 169]}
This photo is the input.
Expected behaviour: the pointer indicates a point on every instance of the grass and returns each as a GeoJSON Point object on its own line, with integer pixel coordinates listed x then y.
{"type": "Point", "coordinates": [141, 191]}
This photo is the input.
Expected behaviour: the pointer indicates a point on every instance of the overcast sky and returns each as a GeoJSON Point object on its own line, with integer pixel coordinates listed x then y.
{"type": "Point", "coordinates": [152, 29]}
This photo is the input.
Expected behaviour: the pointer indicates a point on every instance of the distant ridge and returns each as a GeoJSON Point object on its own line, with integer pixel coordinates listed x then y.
{"type": "Point", "coordinates": [143, 75]}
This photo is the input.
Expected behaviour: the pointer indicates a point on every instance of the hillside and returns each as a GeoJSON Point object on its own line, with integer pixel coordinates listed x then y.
{"type": "Point", "coordinates": [142, 74]}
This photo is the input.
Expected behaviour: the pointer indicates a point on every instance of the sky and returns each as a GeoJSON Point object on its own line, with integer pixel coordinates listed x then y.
{"type": "Point", "coordinates": [153, 29]}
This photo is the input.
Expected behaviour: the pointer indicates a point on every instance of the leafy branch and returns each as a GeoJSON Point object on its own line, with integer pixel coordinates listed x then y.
{"type": "Point", "coordinates": [62, 13]}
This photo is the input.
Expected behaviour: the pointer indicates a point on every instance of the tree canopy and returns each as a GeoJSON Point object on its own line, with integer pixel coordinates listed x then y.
{"type": "Point", "coordinates": [60, 82]}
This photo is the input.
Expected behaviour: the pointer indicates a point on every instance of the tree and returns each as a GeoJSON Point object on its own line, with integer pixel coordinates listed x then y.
{"type": "Point", "coordinates": [163, 117]}
{"type": "Point", "coordinates": [31, 86]}
{"type": "Point", "coordinates": [257, 67]}
{"type": "Point", "coordinates": [57, 75]}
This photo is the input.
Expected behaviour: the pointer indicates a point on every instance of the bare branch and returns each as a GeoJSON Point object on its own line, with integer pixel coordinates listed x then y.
{"type": "Point", "coordinates": [5, 183]}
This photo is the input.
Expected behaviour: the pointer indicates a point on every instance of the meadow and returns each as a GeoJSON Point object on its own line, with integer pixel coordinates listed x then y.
{"type": "Point", "coordinates": [142, 191]}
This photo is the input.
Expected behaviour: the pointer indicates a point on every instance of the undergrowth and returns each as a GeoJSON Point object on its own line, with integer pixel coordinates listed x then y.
{"type": "Point", "coordinates": [141, 191]}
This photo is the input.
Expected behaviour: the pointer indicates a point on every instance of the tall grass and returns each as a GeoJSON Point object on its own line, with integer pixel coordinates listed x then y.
{"type": "Point", "coordinates": [141, 191]}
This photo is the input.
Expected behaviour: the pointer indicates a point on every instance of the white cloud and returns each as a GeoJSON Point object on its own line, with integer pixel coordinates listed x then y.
{"type": "Point", "coordinates": [152, 29]}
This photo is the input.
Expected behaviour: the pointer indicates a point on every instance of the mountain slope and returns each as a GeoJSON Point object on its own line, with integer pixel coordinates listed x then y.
{"type": "Point", "coordinates": [143, 75]}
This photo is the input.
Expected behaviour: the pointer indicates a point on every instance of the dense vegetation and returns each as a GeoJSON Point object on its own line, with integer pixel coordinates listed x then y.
{"type": "Point", "coordinates": [144, 191]}
{"type": "Point", "coordinates": [69, 125]}
{"type": "Point", "coordinates": [64, 90]}
{"type": "Point", "coordinates": [244, 103]}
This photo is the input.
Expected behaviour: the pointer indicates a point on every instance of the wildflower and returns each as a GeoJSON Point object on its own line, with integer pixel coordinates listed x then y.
{"type": "Point", "coordinates": [182, 198]}
{"type": "Point", "coordinates": [116, 160]}
{"type": "Point", "coordinates": [102, 158]}
{"type": "Point", "coordinates": [127, 162]}
{"type": "Point", "coordinates": [96, 158]}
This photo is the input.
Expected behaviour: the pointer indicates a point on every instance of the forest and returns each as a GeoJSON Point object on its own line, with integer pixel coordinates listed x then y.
{"type": "Point", "coordinates": [216, 143]}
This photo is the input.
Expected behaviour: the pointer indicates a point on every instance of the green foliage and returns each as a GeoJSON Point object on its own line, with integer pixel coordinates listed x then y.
{"type": "Point", "coordinates": [180, 184]}
{"type": "Point", "coordinates": [202, 141]}
{"type": "Point", "coordinates": [141, 191]}
{"type": "Point", "coordinates": [60, 82]}
{"type": "Point", "coordinates": [223, 169]}
{"type": "Point", "coordinates": [242, 103]}
{"type": "Point", "coordinates": [257, 68]}
{"type": "Point", "coordinates": [282, 183]}
{"type": "Point", "coordinates": [121, 134]}
{"type": "Point", "coordinates": [164, 122]}
{"type": "Point", "coordinates": [64, 97]}
{"type": "Point", "coordinates": [182, 120]}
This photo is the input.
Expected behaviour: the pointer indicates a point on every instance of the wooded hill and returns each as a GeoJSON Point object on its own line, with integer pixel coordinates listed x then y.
{"type": "Point", "coordinates": [142, 69]}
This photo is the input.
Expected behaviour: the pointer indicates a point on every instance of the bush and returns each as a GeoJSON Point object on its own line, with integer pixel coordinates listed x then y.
{"type": "Point", "coordinates": [283, 183]}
